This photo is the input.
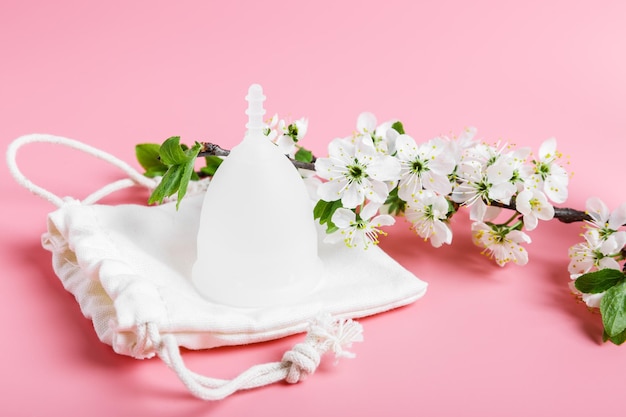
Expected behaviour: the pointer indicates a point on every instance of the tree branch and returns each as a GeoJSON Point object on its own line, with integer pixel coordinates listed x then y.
{"type": "Point", "coordinates": [563, 214]}
{"type": "Point", "coordinates": [211, 149]}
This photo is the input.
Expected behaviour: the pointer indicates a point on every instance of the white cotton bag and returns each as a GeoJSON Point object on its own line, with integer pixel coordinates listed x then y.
{"type": "Point", "coordinates": [125, 271]}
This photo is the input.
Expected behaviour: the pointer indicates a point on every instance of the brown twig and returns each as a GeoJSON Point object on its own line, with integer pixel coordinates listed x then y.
{"type": "Point", "coordinates": [211, 149]}
{"type": "Point", "coordinates": [563, 214]}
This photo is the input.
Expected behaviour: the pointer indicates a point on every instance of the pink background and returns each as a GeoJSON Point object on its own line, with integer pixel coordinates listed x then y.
{"type": "Point", "coordinates": [483, 341]}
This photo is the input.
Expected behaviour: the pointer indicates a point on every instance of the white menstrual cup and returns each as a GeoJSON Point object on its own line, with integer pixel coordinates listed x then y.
{"type": "Point", "coordinates": [257, 243]}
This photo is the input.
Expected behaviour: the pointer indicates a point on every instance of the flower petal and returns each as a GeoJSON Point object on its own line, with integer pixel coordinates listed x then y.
{"type": "Point", "coordinates": [593, 300]}
{"type": "Point", "coordinates": [522, 202]}
{"type": "Point", "coordinates": [441, 234]}
{"type": "Point", "coordinates": [409, 186]}
{"type": "Point", "coordinates": [555, 190]}
{"type": "Point", "coordinates": [285, 144]}
{"type": "Point", "coordinates": [342, 150]}
{"type": "Point", "coordinates": [369, 210]}
{"type": "Point", "coordinates": [406, 147]}
{"type": "Point", "coordinates": [353, 196]}
{"type": "Point", "coordinates": [343, 218]}
{"type": "Point", "coordinates": [491, 212]}
{"type": "Point", "coordinates": [478, 210]}
{"type": "Point", "coordinates": [530, 221]}
{"type": "Point", "coordinates": [618, 217]}
{"type": "Point", "coordinates": [502, 192]}
{"type": "Point", "coordinates": [598, 211]}
{"type": "Point", "coordinates": [547, 150]}
{"type": "Point", "coordinates": [366, 122]}
{"type": "Point", "coordinates": [518, 236]}
{"type": "Point", "coordinates": [609, 263]}
{"type": "Point", "coordinates": [302, 125]}
{"type": "Point", "coordinates": [439, 206]}
{"type": "Point", "coordinates": [325, 168]}
{"type": "Point", "coordinates": [332, 190]}
{"type": "Point", "coordinates": [383, 220]}
{"type": "Point", "coordinates": [377, 192]}
{"type": "Point", "coordinates": [436, 182]}
{"type": "Point", "coordinates": [384, 168]}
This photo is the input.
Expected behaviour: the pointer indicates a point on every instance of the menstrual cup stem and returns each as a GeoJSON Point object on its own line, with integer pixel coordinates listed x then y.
{"type": "Point", "coordinates": [255, 110]}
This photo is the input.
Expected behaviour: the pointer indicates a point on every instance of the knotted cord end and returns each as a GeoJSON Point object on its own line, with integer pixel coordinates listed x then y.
{"type": "Point", "coordinates": [324, 334]}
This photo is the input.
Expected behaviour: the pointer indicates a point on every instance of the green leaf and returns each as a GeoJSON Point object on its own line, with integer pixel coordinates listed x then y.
{"type": "Point", "coordinates": [148, 157]}
{"type": "Point", "coordinates": [171, 152]}
{"type": "Point", "coordinates": [212, 164]}
{"type": "Point", "coordinates": [613, 309]}
{"type": "Point", "coordinates": [452, 208]}
{"type": "Point", "coordinates": [188, 171]}
{"type": "Point", "coordinates": [180, 172]}
{"type": "Point", "coordinates": [324, 211]}
{"type": "Point", "coordinates": [617, 339]}
{"type": "Point", "coordinates": [599, 281]}
{"type": "Point", "coordinates": [398, 127]}
{"type": "Point", "coordinates": [304, 155]}
{"type": "Point", "coordinates": [156, 171]}
{"type": "Point", "coordinates": [395, 203]}
{"type": "Point", "coordinates": [169, 184]}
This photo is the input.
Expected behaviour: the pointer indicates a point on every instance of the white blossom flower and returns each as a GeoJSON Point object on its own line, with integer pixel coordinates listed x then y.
{"type": "Point", "coordinates": [604, 241]}
{"type": "Point", "coordinates": [534, 206]}
{"type": "Point", "coordinates": [485, 154]}
{"type": "Point", "coordinates": [584, 259]}
{"type": "Point", "coordinates": [356, 171]}
{"type": "Point", "coordinates": [479, 186]}
{"type": "Point", "coordinates": [549, 176]}
{"type": "Point", "coordinates": [359, 230]}
{"type": "Point", "coordinates": [273, 127]}
{"type": "Point", "coordinates": [501, 243]}
{"type": "Point", "coordinates": [366, 123]}
{"type": "Point", "coordinates": [594, 252]}
{"type": "Point", "coordinates": [383, 135]}
{"type": "Point", "coordinates": [424, 166]}
{"type": "Point", "coordinates": [291, 135]}
{"type": "Point", "coordinates": [427, 212]}
{"type": "Point", "coordinates": [284, 135]}
{"type": "Point", "coordinates": [602, 247]}
{"type": "Point", "coordinates": [608, 223]}
{"type": "Point", "coordinates": [457, 146]}
{"type": "Point", "coordinates": [493, 158]}
{"type": "Point", "coordinates": [592, 300]}
{"type": "Point", "coordinates": [521, 170]}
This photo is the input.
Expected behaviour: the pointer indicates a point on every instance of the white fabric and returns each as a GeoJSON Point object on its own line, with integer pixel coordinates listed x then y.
{"type": "Point", "coordinates": [129, 268]}
{"type": "Point", "coordinates": [128, 265]}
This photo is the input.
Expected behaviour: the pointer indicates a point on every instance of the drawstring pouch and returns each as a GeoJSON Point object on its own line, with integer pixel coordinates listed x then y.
{"type": "Point", "coordinates": [129, 268]}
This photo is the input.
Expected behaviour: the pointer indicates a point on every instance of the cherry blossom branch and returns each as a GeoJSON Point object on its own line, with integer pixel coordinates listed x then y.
{"type": "Point", "coordinates": [563, 214]}
{"type": "Point", "coordinates": [447, 174]}
{"type": "Point", "coordinates": [211, 149]}
{"type": "Point", "coordinates": [432, 181]}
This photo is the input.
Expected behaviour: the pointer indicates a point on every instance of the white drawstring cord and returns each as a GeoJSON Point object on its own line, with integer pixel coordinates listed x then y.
{"type": "Point", "coordinates": [135, 178]}
{"type": "Point", "coordinates": [324, 335]}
